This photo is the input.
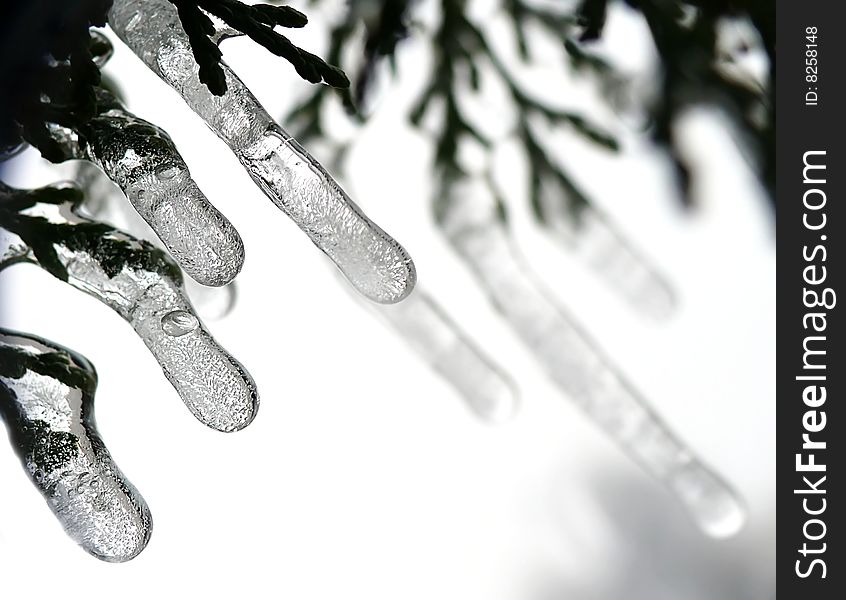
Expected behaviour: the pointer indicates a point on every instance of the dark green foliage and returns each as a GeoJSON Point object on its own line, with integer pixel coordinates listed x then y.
{"type": "Point", "coordinates": [542, 171]}
{"type": "Point", "coordinates": [591, 15]}
{"type": "Point", "coordinates": [35, 440]}
{"type": "Point", "coordinates": [685, 36]}
{"type": "Point", "coordinates": [382, 36]}
{"type": "Point", "coordinates": [112, 249]}
{"type": "Point", "coordinates": [460, 52]}
{"type": "Point", "coordinates": [304, 119]}
{"type": "Point", "coordinates": [522, 13]}
{"type": "Point", "coordinates": [47, 74]}
{"type": "Point", "coordinates": [684, 33]}
{"type": "Point", "coordinates": [256, 22]}
{"type": "Point", "coordinates": [455, 43]}
{"type": "Point", "coordinates": [383, 31]}
{"type": "Point", "coordinates": [461, 47]}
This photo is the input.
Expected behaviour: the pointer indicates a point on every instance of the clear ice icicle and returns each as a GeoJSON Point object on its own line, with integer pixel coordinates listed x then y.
{"type": "Point", "coordinates": [588, 234]}
{"type": "Point", "coordinates": [295, 182]}
{"type": "Point", "coordinates": [437, 339]}
{"type": "Point", "coordinates": [139, 282]}
{"type": "Point", "coordinates": [105, 202]}
{"type": "Point", "coordinates": [143, 161]}
{"type": "Point", "coordinates": [47, 403]}
{"type": "Point", "coordinates": [471, 221]}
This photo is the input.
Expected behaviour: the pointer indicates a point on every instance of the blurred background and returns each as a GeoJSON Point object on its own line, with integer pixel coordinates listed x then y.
{"type": "Point", "coordinates": [365, 473]}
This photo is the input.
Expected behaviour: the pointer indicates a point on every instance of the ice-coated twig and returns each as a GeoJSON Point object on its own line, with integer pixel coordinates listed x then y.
{"type": "Point", "coordinates": [294, 181]}
{"type": "Point", "coordinates": [139, 282]}
{"type": "Point", "coordinates": [488, 391]}
{"type": "Point", "coordinates": [471, 218]}
{"type": "Point", "coordinates": [142, 160]}
{"type": "Point", "coordinates": [47, 403]}
{"type": "Point", "coordinates": [104, 202]}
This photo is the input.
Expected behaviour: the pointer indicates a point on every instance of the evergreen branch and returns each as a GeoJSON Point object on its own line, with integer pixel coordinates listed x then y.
{"type": "Point", "coordinates": [685, 36]}
{"type": "Point", "coordinates": [522, 13]}
{"type": "Point", "coordinates": [381, 41]}
{"type": "Point", "coordinates": [50, 67]}
{"type": "Point", "coordinates": [112, 249]}
{"type": "Point", "coordinates": [48, 72]}
{"type": "Point", "coordinates": [303, 121]}
{"type": "Point", "coordinates": [256, 22]}
{"type": "Point", "coordinates": [459, 41]}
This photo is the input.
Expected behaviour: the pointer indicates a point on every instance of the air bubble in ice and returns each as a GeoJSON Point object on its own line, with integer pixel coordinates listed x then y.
{"type": "Point", "coordinates": [179, 322]}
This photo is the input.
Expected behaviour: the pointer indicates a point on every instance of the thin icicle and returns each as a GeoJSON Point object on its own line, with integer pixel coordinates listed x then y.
{"type": "Point", "coordinates": [488, 391]}
{"type": "Point", "coordinates": [143, 161]}
{"type": "Point", "coordinates": [587, 233]}
{"type": "Point", "coordinates": [372, 261]}
{"type": "Point", "coordinates": [104, 202]}
{"type": "Point", "coordinates": [47, 403]}
{"type": "Point", "coordinates": [471, 220]}
{"type": "Point", "coordinates": [141, 284]}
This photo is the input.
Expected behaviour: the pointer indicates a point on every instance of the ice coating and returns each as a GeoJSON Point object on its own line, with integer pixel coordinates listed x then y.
{"type": "Point", "coordinates": [437, 339]}
{"type": "Point", "coordinates": [47, 403]}
{"type": "Point", "coordinates": [371, 260]}
{"type": "Point", "coordinates": [143, 286]}
{"type": "Point", "coordinates": [105, 202]}
{"type": "Point", "coordinates": [588, 234]}
{"type": "Point", "coordinates": [143, 161]}
{"type": "Point", "coordinates": [472, 224]}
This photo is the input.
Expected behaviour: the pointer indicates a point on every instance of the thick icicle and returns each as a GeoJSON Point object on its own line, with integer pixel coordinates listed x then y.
{"type": "Point", "coordinates": [47, 402]}
{"type": "Point", "coordinates": [141, 284]}
{"type": "Point", "coordinates": [588, 234]}
{"type": "Point", "coordinates": [471, 220]}
{"type": "Point", "coordinates": [488, 390]}
{"type": "Point", "coordinates": [104, 202]}
{"type": "Point", "coordinates": [143, 161]}
{"type": "Point", "coordinates": [372, 261]}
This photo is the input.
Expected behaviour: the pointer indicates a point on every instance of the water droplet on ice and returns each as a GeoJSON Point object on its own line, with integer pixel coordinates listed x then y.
{"type": "Point", "coordinates": [178, 323]}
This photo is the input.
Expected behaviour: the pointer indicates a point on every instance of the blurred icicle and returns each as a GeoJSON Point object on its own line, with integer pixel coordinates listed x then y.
{"type": "Point", "coordinates": [104, 202]}
{"type": "Point", "coordinates": [47, 403]}
{"type": "Point", "coordinates": [472, 219]}
{"type": "Point", "coordinates": [139, 282]}
{"type": "Point", "coordinates": [294, 181]}
{"type": "Point", "coordinates": [488, 391]}
{"type": "Point", "coordinates": [589, 235]}
{"type": "Point", "coordinates": [143, 161]}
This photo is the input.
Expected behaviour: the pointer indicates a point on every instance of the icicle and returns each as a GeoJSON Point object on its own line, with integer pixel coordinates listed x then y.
{"type": "Point", "coordinates": [588, 234]}
{"type": "Point", "coordinates": [143, 161]}
{"type": "Point", "coordinates": [372, 261]}
{"type": "Point", "coordinates": [488, 391]}
{"type": "Point", "coordinates": [104, 202]}
{"type": "Point", "coordinates": [47, 402]}
{"type": "Point", "coordinates": [141, 284]}
{"type": "Point", "coordinates": [471, 220]}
